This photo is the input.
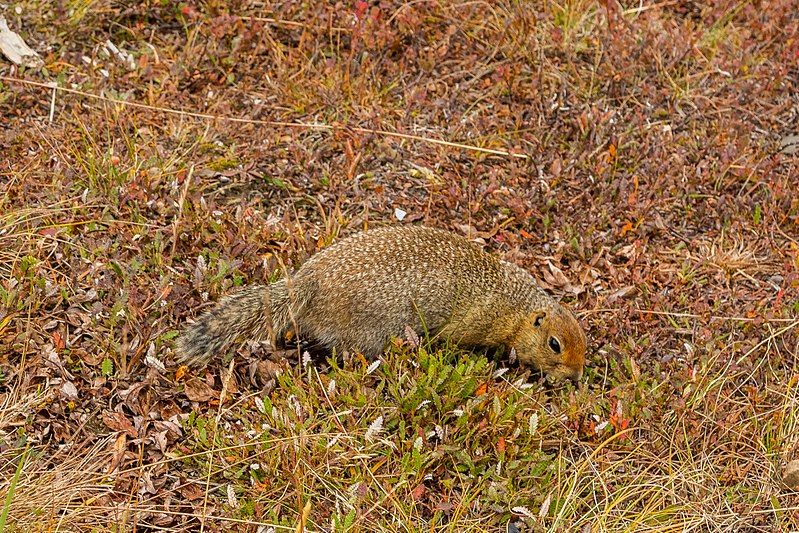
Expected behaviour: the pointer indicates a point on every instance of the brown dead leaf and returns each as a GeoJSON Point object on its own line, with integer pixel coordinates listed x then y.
{"type": "Point", "coordinates": [472, 233]}
{"type": "Point", "coordinates": [191, 491]}
{"type": "Point", "coordinates": [119, 422]}
{"type": "Point", "coordinates": [160, 439]}
{"type": "Point", "coordinates": [621, 293]}
{"type": "Point", "coordinates": [89, 357]}
{"type": "Point", "coordinates": [265, 369]}
{"type": "Point", "coordinates": [131, 396]}
{"type": "Point", "coordinates": [198, 391]}
{"type": "Point", "coordinates": [168, 431]}
{"type": "Point", "coordinates": [556, 277]}
{"type": "Point", "coordinates": [411, 337]}
{"type": "Point", "coordinates": [120, 445]}
{"type": "Point", "coordinates": [444, 507]}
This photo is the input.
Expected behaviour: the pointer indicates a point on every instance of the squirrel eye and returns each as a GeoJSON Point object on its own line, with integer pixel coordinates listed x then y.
{"type": "Point", "coordinates": [554, 344]}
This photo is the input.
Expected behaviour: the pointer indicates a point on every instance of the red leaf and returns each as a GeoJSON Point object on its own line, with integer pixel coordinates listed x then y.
{"type": "Point", "coordinates": [360, 9]}
{"type": "Point", "coordinates": [58, 341]}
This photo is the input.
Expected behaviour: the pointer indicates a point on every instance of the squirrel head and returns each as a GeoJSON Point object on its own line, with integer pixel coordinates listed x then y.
{"type": "Point", "coordinates": [552, 341]}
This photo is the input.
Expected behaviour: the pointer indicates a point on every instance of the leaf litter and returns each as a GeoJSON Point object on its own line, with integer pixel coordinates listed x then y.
{"type": "Point", "coordinates": [656, 195]}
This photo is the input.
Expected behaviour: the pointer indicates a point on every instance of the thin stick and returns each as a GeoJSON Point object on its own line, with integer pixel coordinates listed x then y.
{"type": "Point", "coordinates": [712, 317]}
{"type": "Point", "coordinates": [52, 102]}
{"type": "Point", "coordinates": [292, 23]}
{"type": "Point", "coordinates": [277, 123]}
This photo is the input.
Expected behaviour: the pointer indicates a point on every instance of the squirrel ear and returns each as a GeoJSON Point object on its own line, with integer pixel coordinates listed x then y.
{"type": "Point", "coordinates": [538, 318]}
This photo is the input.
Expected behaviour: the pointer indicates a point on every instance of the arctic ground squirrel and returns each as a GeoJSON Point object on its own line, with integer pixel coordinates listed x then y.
{"type": "Point", "coordinates": [359, 292]}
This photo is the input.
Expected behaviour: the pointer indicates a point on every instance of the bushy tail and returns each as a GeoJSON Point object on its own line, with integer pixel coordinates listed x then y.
{"type": "Point", "coordinates": [246, 314]}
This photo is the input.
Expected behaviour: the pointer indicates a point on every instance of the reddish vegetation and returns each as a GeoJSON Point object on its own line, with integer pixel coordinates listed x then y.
{"type": "Point", "coordinates": [647, 178]}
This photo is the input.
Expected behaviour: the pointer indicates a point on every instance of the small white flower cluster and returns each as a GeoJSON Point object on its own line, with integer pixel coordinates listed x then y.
{"type": "Point", "coordinates": [375, 428]}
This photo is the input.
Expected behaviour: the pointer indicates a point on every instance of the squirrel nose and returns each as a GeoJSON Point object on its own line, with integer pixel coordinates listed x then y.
{"type": "Point", "coordinates": [574, 374]}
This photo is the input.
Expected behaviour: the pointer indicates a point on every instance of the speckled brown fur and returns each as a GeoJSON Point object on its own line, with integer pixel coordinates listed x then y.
{"type": "Point", "coordinates": [359, 292]}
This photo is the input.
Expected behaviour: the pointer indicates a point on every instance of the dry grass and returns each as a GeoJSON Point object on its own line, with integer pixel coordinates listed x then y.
{"type": "Point", "coordinates": [56, 489]}
{"type": "Point", "coordinates": [626, 154]}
